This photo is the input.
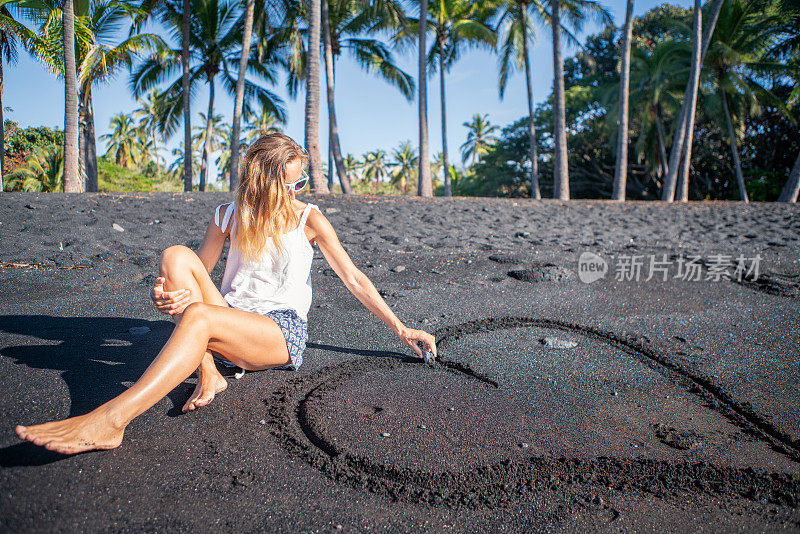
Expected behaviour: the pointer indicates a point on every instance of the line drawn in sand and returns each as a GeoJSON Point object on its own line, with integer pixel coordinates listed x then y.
{"type": "Point", "coordinates": [499, 484]}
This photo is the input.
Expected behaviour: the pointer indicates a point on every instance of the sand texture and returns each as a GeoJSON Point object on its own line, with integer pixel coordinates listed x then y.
{"type": "Point", "coordinates": [554, 405]}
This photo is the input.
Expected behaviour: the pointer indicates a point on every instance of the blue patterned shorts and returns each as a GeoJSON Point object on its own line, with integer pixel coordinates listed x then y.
{"type": "Point", "coordinates": [294, 329]}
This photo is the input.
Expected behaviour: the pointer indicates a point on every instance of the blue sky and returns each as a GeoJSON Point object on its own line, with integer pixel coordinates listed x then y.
{"type": "Point", "coordinates": [371, 114]}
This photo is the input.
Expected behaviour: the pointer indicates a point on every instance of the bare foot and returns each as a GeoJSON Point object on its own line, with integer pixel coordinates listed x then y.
{"type": "Point", "coordinates": [87, 432]}
{"type": "Point", "coordinates": [209, 383]}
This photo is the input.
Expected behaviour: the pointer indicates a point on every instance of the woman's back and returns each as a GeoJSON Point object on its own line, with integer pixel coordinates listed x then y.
{"type": "Point", "coordinates": [272, 281]}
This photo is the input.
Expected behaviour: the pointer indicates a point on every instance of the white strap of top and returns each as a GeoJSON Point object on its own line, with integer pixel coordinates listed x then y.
{"type": "Point", "coordinates": [226, 218]}
{"type": "Point", "coordinates": [306, 212]}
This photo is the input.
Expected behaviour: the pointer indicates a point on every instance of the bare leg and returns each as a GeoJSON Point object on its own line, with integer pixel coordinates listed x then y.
{"type": "Point", "coordinates": [182, 269]}
{"type": "Point", "coordinates": [250, 340]}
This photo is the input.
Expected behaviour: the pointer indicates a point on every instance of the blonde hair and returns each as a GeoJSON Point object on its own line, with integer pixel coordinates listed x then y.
{"type": "Point", "coordinates": [263, 202]}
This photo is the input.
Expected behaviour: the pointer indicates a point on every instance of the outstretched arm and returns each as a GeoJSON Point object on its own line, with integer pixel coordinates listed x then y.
{"type": "Point", "coordinates": [361, 286]}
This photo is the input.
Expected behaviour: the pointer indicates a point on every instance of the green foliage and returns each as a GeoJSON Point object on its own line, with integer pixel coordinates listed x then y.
{"type": "Point", "coordinates": [42, 171]}
{"type": "Point", "coordinates": [759, 87]}
{"type": "Point", "coordinates": [114, 178]}
{"type": "Point", "coordinates": [25, 140]}
{"type": "Point", "coordinates": [503, 169]}
{"type": "Point", "coordinates": [371, 188]}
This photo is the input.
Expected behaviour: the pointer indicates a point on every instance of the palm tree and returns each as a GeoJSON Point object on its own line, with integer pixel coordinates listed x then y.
{"type": "Point", "coordinates": [576, 12]}
{"type": "Point", "coordinates": [259, 125]}
{"type": "Point", "coordinates": [123, 143]}
{"type": "Point", "coordinates": [679, 155]}
{"type": "Point", "coordinates": [346, 25]}
{"type": "Point", "coordinates": [98, 62]}
{"type": "Point", "coordinates": [742, 37]}
{"type": "Point", "coordinates": [224, 139]}
{"type": "Point", "coordinates": [792, 186]}
{"type": "Point", "coordinates": [457, 24]}
{"type": "Point", "coordinates": [437, 165]}
{"type": "Point", "coordinates": [11, 31]}
{"type": "Point", "coordinates": [424, 185]}
{"type": "Point", "coordinates": [404, 166]}
{"type": "Point", "coordinates": [318, 183]}
{"type": "Point", "coordinates": [514, 56]}
{"type": "Point", "coordinates": [42, 171]}
{"type": "Point", "coordinates": [177, 163]}
{"type": "Point", "coordinates": [152, 116]}
{"type": "Point", "coordinates": [357, 19]}
{"type": "Point", "coordinates": [216, 34]}
{"type": "Point", "coordinates": [621, 169]}
{"type": "Point", "coordinates": [789, 48]}
{"type": "Point", "coordinates": [656, 85]}
{"type": "Point", "coordinates": [560, 168]}
{"type": "Point", "coordinates": [375, 166]}
{"type": "Point", "coordinates": [211, 138]}
{"type": "Point", "coordinates": [352, 164]}
{"type": "Point", "coordinates": [99, 56]}
{"type": "Point", "coordinates": [186, 81]}
{"type": "Point", "coordinates": [71, 182]}
{"type": "Point", "coordinates": [480, 138]}
{"type": "Point", "coordinates": [239, 99]}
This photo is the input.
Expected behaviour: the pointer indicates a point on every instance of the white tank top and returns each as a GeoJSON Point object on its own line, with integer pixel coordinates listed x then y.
{"type": "Point", "coordinates": [269, 283]}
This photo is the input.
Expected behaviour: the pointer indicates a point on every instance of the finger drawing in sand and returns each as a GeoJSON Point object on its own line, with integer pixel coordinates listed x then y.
{"type": "Point", "coordinates": [257, 320]}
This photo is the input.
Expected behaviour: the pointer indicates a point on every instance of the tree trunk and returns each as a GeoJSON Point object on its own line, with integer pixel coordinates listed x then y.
{"type": "Point", "coordinates": [424, 186]}
{"type": "Point", "coordinates": [662, 151]}
{"type": "Point", "coordinates": [735, 151]}
{"type": "Point", "coordinates": [682, 188]}
{"type": "Point", "coordinates": [187, 118]}
{"type": "Point", "coordinates": [207, 142]}
{"type": "Point", "coordinates": [318, 183]}
{"type": "Point", "coordinates": [71, 176]}
{"type": "Point", "coordinates": [560, 164]}
{"type": "Point", "coordinates": [155, 154]}
{"type": "Point", "coordinates": [533, 144]}
{"type": "Point", "coordinates": [2, 125]}
{"type": "Point", "coordinates": [668, 191]}
{"type": "Point", "coordinates": [334, 150]}
{"type": "Point", "coordinates": [330, 155]}
{"type": "Point", "coordinates": [621, 170]}
{"type": "Point", "coordinates": [238, 103]}
{"type": "Point", "coordinates": [88, 145]}
{"type": "Point", "coordinates": [81, 142]}
{"type": "Point", "coordinates": [447, 191]}
{"type": "Point", "coordinates": [792, 187]}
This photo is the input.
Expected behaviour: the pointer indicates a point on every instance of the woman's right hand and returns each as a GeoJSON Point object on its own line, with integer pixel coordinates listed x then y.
{"type": "Point", "coordinates": [169, 302]}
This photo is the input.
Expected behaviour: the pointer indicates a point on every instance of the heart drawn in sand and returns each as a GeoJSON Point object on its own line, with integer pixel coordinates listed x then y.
{"type": "Point", "coordinates": [606, 410]}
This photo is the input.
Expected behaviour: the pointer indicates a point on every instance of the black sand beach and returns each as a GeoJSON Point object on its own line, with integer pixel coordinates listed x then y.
{"type": "Point", "coordinates": [555, 404]}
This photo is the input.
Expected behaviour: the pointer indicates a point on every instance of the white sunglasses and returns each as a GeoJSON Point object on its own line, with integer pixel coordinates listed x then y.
{"type": "Point", "coordinates": [300, 184]}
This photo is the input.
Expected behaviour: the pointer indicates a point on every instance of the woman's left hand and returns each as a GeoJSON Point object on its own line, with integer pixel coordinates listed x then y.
{"type": "Point", "coordinates": [410, 337]}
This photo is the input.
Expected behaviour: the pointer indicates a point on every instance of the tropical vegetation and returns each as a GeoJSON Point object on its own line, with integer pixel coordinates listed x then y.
{"type": "Point", "coordinates": [668, 105]}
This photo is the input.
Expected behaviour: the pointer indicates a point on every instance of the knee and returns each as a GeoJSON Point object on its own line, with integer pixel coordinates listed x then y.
{"type": "Point", "coordinates": [196, 314]}
{"type": "Point", "coordinates": [174, 257]}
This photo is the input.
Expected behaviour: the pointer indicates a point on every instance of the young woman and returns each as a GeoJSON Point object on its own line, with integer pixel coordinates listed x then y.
{"type": "Point", "coordinates": [257, 321]}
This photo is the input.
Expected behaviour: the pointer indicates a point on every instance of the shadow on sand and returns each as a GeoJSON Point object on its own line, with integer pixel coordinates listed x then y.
{"type": "Point", "coordinates": [99, 358]}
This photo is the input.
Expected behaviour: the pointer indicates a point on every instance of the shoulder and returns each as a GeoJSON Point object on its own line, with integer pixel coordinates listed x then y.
{"type": "Point", "coordinates": [314, 213]}
{"type": "Point", "coordinates": [317, 224]}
